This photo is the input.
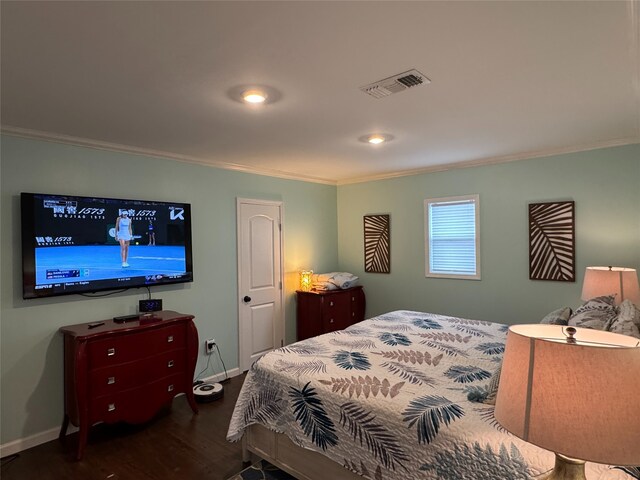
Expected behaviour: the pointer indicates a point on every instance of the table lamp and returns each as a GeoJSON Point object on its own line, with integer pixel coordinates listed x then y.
{"type": "Point", "coordinates": [306, 277]}
{"type": "Point", "coordinates": [618, 281]}
{"type": "Point", "coordinates": [573, 391]}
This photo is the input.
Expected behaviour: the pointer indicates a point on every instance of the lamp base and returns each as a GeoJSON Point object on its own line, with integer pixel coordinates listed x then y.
{"type": "Point", "coordinates": [566, 468]}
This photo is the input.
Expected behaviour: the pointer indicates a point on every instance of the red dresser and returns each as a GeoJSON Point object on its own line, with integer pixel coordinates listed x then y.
{"type": "Point", "coordinates": [323, 312]}
{"type": "Point", "coordinates": [126, 372]}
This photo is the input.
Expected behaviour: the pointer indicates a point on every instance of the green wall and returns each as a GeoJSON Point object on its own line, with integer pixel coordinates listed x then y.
{"type": "Point", "coordinates": [322, 231]}
{"type": "Point", "coordinates": [605, 185]}
{"type": "Point", "coordinates": [31, 348]}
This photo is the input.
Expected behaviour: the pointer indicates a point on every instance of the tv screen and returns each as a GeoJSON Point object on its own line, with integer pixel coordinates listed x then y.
{"type": "Point", "coordinates": [88, 244]}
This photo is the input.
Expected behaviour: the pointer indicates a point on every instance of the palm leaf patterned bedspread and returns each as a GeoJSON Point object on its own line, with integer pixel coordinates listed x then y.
{"type": "Point", "coordinates": [388, 398]}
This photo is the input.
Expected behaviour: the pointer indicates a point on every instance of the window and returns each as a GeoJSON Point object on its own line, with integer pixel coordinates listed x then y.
{"type": "Point", "coordinates": [452, 237]}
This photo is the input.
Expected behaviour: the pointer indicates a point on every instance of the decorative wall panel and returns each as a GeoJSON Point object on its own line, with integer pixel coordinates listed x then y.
{"type": "Point", "coordinates": [377, 243]}
{"type": "Point", "coordinates": [552, 245]}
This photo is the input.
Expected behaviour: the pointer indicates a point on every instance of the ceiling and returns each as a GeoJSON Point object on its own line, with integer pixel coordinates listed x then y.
{"type": "Point", "coordinates": [509, 80]}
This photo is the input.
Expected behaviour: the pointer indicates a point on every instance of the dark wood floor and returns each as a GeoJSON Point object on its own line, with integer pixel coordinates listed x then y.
{"type": "Point", "coordinates": [176, 445]}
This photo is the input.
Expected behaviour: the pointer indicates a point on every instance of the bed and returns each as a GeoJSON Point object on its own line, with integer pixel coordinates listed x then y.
{"type": "Point", "coordinates": [399, 396]}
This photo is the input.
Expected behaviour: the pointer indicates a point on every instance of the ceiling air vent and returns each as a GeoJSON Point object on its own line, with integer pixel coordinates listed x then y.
{"type": "Point", "coordinates": [395, 84]}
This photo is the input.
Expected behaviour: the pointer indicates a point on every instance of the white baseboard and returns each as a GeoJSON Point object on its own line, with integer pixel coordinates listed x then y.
{"type": "Point", "coordinates": [25, 443]}
{"type": "Point", "coordinates": [234, 372]}
{"type": "Point", "coordinates": [17, 446]}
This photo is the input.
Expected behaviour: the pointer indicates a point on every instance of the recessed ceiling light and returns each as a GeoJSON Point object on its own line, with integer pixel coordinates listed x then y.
{"type": "Point", "coordinates": [376, 138]}
{"type": "Point", "coordinates": [254, 96]}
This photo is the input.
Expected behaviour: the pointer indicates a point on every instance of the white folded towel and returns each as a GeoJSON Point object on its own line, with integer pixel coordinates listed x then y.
{"type": "Point", "coordinates": [323, 286]}
{"type": "Point", "coordinates": [339, 279]}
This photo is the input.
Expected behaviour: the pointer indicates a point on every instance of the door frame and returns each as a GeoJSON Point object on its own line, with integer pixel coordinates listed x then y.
{"type": "Point", "coordinates": [279, 321]}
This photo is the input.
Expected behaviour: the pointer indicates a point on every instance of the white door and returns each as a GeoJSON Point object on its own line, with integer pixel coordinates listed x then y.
{"type": "Point", "coordinates": [260, 314]}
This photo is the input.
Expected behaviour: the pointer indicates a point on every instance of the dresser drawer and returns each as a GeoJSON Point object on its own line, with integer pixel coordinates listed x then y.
{"type": "Point", "coordinates": [120, 349]}
{"type": "Point", "coordinates": [331, 323]}
{"type": "Point", "coordinates": [336, 311]}
{"type": "Point", "coordinates": [116, 378]}
{"type": "Point", "coordinates": [136, 405]}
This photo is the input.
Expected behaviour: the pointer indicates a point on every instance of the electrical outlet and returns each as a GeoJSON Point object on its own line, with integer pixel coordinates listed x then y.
{"type": "Point", "coordinates": [209, 345]}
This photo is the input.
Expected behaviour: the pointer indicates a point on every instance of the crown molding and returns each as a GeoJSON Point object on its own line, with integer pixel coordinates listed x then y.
{"type": "Point", "coordinates": [148, 152]}
{"type": "Point", "coordinates": [495, 160]}
{"type": "Point", "coordinates": [115, 147]}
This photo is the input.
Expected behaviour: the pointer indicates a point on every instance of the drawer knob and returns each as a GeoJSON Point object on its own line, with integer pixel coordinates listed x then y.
{"type": "Point", "coordinates": [331, 304]}
{"type": "Point", "coordinates": [111, 407]}
{"type": "Point", "coordinates": [111, 380]}
{"type": "Point", "coordinates": [353, 299]}
{"type": "Point", "coordinates": [353, 314]}
{"type": "Point", "coordinates": [111, 352]}
{"type": "Point", "coordinates": [170, 363]}
{"type": "Point", "coordinates": [170, 388]}
{"type": "Point", "coordinates": [170, 339]}
{"type": "Point", "coordinates": [331, 321]}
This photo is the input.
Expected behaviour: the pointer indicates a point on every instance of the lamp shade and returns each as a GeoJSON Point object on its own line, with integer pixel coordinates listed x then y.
{"type": "Point", "coordinates": [306, 277]}
{"type": "Point", "coordinates": [618, 281]}
{"type": "Point", "coordinates": [580, 400]}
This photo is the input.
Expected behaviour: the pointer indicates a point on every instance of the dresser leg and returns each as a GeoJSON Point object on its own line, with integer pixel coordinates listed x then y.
{"type": "Point", "coordinates": [192, 401]}
{"type": "Point", "coordinates": [83, 434]}
{"type": "Point", "coordinates": [63, 428]}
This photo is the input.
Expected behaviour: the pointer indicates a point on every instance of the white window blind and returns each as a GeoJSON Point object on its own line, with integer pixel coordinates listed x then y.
{"type": "Point", "coordinates": [452, 237]}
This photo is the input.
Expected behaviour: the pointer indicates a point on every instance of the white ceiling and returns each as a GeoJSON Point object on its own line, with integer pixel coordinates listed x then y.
{"type": "Point", "coordinates": [509, 80]}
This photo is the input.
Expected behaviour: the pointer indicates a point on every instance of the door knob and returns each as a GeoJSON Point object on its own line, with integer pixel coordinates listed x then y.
{"type": "Point", "coordinates": [246, 299]}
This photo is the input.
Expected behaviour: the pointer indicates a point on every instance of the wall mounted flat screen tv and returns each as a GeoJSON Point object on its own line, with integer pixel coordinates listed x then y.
{"type": "Point", "coordinates": [70, 244]}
